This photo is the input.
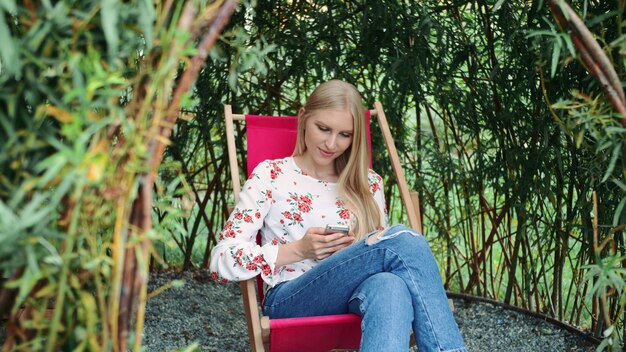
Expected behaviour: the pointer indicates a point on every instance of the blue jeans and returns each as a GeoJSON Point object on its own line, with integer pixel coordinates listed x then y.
{"type": "Point", "coordinates": [394, 284]}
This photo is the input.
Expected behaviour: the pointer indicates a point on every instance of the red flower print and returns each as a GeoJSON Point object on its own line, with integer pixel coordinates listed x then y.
{"type": "Point", "coordinates": [224, 281]}
{"type": "Point", "coordinates": [275, 241]}
{"type": "Point", "coordinates": [247, 218]}
{"type": "Point", "coordinates": [374, 187]}
{"type": "Point", "coordinates": [214, 276]}
{"type": "Point", "coordinates": [266, 269]}
{"type": "Point", "coordinates": [339, 203]}
{"type": "Point", "coordinates": [273, 175]}
{"type": "Point", "coordinates": [228, 225]}
{"type": "Point", "coordinates": [344, 214]}
{"type": "Point", "coordinates": [268, 194]}
{"type": "Point", "coordinates": [227, 233]}
{"type": "Point", "coordinates": [299, 204]}
{"type": "Point", "coordinates": [290, 270]}
{"type": "Point", "coordinates": [238, 216]}
{"type": "Point", "coordinates": [258, 259]}
{"type": "Point", "coordinates": [251, 266]}
{"type": "Point", "coordinates": [257, 215]}
{"type": "Point", "coordinates": [305, 208]}
{"type": "Point", "coordinates": [287, 214]}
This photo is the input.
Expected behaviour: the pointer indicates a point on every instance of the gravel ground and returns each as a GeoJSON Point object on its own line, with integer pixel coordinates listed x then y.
{"type": "Point", "coordinates": [212, 315]}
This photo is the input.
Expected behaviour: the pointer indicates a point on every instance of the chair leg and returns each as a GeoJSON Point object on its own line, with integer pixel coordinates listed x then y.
{"type": "Point", "coordinates": [251, 308]}
{"type": "Point", "coordinates": [265, 332]}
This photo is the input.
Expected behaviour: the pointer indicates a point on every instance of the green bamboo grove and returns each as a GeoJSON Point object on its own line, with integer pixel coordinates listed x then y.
{"type": "Point", "coordinates": [507, 120]}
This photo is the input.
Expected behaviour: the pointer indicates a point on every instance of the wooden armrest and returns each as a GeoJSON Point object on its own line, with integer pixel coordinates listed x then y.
{"type": "Point", "coordinates": [415, 199]}
{"type": "Point", "coordinates": [265, 326]}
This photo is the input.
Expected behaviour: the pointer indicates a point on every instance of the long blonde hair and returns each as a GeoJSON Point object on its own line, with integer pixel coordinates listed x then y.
{"type": "Point", "coordinates": [353, 165]}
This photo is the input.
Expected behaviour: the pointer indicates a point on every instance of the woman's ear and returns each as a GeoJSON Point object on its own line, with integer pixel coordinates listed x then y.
{"type": "Point", "coordinates": [301, 112]}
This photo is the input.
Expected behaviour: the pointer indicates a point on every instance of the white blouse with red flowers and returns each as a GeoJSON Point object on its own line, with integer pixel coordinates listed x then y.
{"type": "Point", "coordinates": [281, 201]}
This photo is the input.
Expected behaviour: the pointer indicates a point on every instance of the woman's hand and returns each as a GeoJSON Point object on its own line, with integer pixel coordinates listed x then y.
{"type": "Point", "coordinates": [315, 244]}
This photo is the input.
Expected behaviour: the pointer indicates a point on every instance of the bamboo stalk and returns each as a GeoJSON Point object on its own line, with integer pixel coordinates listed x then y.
{"type": "Point", "coordinates": [592, 55]}
{"type": "Point", "coordinates": [134, 279]}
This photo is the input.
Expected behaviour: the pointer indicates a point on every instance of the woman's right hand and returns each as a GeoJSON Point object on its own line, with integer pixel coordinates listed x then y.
{"type": "Point", "coordinates": [317, 244]}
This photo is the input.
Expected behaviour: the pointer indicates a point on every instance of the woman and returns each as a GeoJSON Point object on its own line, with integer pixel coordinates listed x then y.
{"type": "Point", "coordinates": [385, 274]}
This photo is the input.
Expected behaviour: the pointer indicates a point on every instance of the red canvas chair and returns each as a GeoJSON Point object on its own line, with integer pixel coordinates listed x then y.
{"type": "Point", "coordinates": [271, 137]}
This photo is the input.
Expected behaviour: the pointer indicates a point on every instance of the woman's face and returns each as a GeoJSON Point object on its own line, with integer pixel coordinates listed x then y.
{"type": "Point", "coordinates": [327, 135]}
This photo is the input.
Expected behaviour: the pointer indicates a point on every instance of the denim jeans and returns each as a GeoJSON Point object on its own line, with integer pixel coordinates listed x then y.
{"type": "Point", "coordinates": [393, 283]}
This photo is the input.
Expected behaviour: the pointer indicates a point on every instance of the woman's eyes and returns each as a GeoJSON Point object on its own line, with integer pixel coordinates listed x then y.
{"type": "Point", "coordinates": [326, 129]}
{"type": "Point", "coordinates": [323, 129]}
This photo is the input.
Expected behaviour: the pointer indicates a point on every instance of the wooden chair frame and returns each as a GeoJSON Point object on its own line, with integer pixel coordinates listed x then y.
{"type": "Point", "coordinates": [259, 326]}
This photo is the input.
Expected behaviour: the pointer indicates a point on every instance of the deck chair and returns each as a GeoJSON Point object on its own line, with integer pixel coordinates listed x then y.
{"type": "Point", "coordinates": [272, 137]}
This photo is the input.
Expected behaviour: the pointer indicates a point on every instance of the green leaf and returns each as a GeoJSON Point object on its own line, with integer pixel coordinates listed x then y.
{"type": "Point", "coordinates": [556, 53]}
{"type": "Point", "coordinates": [8, 5]}
{"type": "Point", "coordinates": [146, 20]}
{"type": "Point", "coordinates": [608, 331]}
{"type": "Point", "coordinates": [9, 53]}
{"type": "Point", "coordinates": [618, 212]}
{"type": "Point", "coordinates": [52, 166]}
{"type": "Point", "coordinates": [563, 5]}
{"type": "Point", "coordinates": [497, 6]}
{"type": "Point", "coordinates": [617, 150]}
{"type": "Point", "coordinates": [568, 43]}
{"type": "Point", "coordinates": [178, 283]}
{"type": "Point", "coordinates": [110, 14]}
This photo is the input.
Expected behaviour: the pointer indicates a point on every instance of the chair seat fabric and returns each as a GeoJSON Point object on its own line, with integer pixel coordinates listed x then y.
{"type": "Point", "coordinates": [269, 137]}
{"type": "Point", "coordinates": [320, 333]}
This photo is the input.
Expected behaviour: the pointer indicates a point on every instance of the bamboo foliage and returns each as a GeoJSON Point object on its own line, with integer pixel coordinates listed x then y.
{"type": "Point", "coordinates": [88, 106]}
{"type": "Point", "coordinates": [606, 272]}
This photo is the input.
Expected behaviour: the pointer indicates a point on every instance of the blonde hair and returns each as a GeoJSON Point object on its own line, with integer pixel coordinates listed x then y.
{"type": "Point", "coordinates": [353, 165]}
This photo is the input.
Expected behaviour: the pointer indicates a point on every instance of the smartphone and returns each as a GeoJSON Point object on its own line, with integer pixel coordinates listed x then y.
{"type": "Point", "coordinates": [337, 228]}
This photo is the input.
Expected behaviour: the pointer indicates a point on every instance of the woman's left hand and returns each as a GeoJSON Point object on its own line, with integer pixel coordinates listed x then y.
{"type": "Point", "coordinates": [315, 244]}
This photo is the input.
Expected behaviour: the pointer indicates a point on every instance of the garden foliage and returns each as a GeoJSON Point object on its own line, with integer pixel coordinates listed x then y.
{"type": "Point", "coordinates": [514, 146]}
{"type": "Point", "coordinates": [89, 91]}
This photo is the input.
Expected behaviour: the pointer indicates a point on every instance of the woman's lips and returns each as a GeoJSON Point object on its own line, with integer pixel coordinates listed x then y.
{"type": "Point", "coordinates": [326, 153]}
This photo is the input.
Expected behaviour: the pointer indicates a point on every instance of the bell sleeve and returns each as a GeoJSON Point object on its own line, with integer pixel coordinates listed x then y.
{"type": "Point", "coordinates": [237, 256]}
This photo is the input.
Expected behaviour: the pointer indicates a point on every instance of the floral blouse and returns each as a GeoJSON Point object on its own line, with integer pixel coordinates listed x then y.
{"type": "Point", "coordinates": [281, 201]}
